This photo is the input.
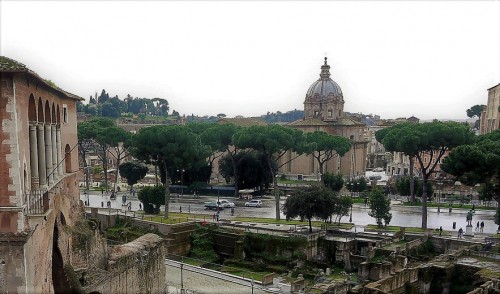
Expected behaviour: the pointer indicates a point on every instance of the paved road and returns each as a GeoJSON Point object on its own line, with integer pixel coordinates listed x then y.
{"type": "Point", "coordinates": [200, 280]}
{"type": "Point", "coordinates": [401, 215]}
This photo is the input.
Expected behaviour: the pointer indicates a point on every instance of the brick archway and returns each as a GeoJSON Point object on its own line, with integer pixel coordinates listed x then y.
{"type": "Point", "coordinates": [59, 278]}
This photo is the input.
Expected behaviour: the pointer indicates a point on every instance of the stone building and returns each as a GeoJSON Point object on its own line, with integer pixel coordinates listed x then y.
{"type": "Point", "coordinates": [490, 117]}
{"type": "Point", "coordinates": [38, 180]}
{"type": "Point", "coordinates": [324, 111]}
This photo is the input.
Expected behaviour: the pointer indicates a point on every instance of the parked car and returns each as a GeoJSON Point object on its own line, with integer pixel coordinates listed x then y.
{"type": "Point", "coordinates": [254, 203]}
{"type": "Point", "coordinates": [226, 204]}
{"type": "Point", "coordinates": [213, 205]}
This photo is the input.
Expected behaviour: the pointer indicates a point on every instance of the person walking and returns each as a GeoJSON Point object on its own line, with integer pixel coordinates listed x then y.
{"type": "Point", "coordinates": [213, 217]}
{"type": "Point", "coordinates": [180, 209]}
{"type": "Point", "coordinates": [460, 232]}
{"type": "Point", "coordinates": [477, 226]}
{"type": "Point", "coordinates": [140, 206]}
{"type": "Point", "coordinates": [440, 230]}
{"type": "Point", "coordinates": [482, 226]}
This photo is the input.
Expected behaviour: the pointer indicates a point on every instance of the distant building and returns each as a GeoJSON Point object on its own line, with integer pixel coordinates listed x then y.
{"type": "Point", "coordinates": [324, 111]}
{"type": "Point", "coordinates": [490, 117]}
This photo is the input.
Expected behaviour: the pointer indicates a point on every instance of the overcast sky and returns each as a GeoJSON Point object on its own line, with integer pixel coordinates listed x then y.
{"type": "Point", "coordinates": [392, 58]}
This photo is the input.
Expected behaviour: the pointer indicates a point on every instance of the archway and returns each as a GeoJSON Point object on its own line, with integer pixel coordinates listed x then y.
{"type": "Point", "coordinates": [47, 112]}
{"type": "Point", "coordinates": [67, 158]}
{"type": "Point", "coordinates": [32, 109]}
{"type": "Point", "coordinates": [40, 116]}
{"type": "Point", "coordinates": [59, 279]}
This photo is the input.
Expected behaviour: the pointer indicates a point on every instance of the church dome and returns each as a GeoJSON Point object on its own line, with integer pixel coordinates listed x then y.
{"type": "Point", "coordinates": [324, 86]}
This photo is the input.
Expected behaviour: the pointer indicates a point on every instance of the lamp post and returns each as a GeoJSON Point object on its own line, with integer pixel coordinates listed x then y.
{"type": "Point", "coordinates": [182, 180]}
{"type": "Point", "coordinates": [350, 216]}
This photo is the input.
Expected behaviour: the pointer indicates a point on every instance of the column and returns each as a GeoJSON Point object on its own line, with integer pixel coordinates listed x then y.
{"type": "Point", "coordinates": [48, 154]}
{"type": "Point", "coordinates": [54, 170]}
{"type": "Point", "coordinates": [42, 172]}
{"type": "Point", "coordinates": [33, 158]}
{"type": "Point", "coordinates": [59, 150]}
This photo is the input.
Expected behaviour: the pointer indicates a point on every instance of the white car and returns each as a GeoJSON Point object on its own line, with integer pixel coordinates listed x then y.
{"type": "Point", "coordinates": [226, 204]}
{"type": "Point", "coordinates": [254, 203]}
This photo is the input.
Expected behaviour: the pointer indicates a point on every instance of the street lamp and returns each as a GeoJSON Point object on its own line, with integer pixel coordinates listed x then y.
{"type": "Point", "coordinates": [182, 180]}
{"type": "Point", "coordinates": [350, 216]}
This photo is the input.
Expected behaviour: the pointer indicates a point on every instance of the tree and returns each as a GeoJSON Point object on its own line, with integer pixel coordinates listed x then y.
{"type": "Point", "coordinates": [380, 207]}
{"type": "Point", "coordinates": [161, 106]}
{"type": "Point", "coordinates": [86, 135]}
{"type": "Point", "coordinates": [117, 139]}
{"type": "Point", "coordinates": [403, 185]}
{"type": "Point", "coordinates": [306, 203]}
{"type": "Point", "coordinates": [273, 141]}
{"type": "Point", "coordinates": [478, 163]}
{"type": "Point", "coordinates": [334, 182]}
{"type": "Point", "coordinates": [357, 184]}
{"type": "Point", "coordinates": [172, 146]}
{"type": "Point", "coordinates": [430, 141]}
{"type": "Point", "coordinates": [325, 147]}
{"type": "Point", "coordinates": [152, 198]}
{"type": "Point", "coordinates": [475, 111]}
{"type": "Point", "coordinates": [342, 206]}
{"type": "Point", "coordinates": [94, 132]}
{"type": "Point", "coordinates": [251, 167]}
{"type": "Point", "coordinates": [221, 139]}
{"type": "Point", "coordinates": [407, 146]}
{"type": "Point", "coordinates": [133, 172]}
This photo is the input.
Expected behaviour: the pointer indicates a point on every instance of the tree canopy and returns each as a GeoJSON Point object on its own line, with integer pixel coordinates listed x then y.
{"type": "Point", "coordinates": [172, 146]}
{"type": "Point", "coordinates": [380, 207]}
{"type": "Point", "coordinates": [152, 198]}
{"type": "Point", "coordinates": [429, 141]}
{"type": "Point", "coordinates": [324, 147]}
{"type": "Point", "coordinates": [334, 182]}
{"type": "Point", "coordinates": [478, 163]}
{"type": "Point", "coordinates": [133, 172]}
{"type": "Point", "coordinates": [306, 203]}
{"type": "Point", "coordinates": [273, 141]}
{"type": "Point", "coordinates": [475, 110]}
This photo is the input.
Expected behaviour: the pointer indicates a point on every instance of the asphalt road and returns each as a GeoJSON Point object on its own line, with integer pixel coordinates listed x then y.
{"type": "Point", "coordinates": [401, 215]}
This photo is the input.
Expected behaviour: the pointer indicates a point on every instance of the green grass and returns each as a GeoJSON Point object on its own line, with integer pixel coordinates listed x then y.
{"type": "Point", "coordinates": [242, 272]}
{"type": "Point", "coordinates": [445, 206]}
{"type": "Point", "coordinates": [290, 222]}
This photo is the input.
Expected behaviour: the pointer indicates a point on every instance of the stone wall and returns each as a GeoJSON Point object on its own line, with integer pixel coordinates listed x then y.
{"type": "Point", "coordinates": [134, 267]}
{"type": "Point", "coordinates": [392, 283]}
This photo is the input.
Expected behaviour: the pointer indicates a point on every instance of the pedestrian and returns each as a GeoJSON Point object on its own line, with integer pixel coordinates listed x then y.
{"type": "Point", "coordinates": [180, 209]}
{"type": "Point", "coordinates": [102, 192]}
{"type": "Point", "coordinates": [140, 206]}
{"type": "Point", "coordinates": [460, 232]}
{"type": "Point", "coordinates": [102, 204]}
{"type": "Point", "coordinates": [477, 226]}
{"type": "Point", "coordinates": [232, 211]}
{"type": "Point", "coordinates": [218, 214]}
{"type": "Point", "coordinates": [454, 225]}
{"type": "Point", "coordinates": [482, 226]}
{"type": "Point", "coordinates": [440, 230]}
{"type": "Point", "coordinates": [213, 217]}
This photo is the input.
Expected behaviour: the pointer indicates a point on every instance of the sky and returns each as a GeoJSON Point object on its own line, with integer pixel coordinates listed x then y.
{"type": "Point", "coordinates": [429, 59]}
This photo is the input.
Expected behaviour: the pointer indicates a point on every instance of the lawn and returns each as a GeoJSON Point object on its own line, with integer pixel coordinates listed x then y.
{"type": "Point", "coordinates": [242, 272]}
{"type": "Point", "coordinates": [291, 222]}
{"type": "Point", "coordinates": [445, 206]}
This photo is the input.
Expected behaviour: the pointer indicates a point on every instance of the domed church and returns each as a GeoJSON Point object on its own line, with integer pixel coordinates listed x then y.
{"type": "Point", "coordinates": [324, 111]}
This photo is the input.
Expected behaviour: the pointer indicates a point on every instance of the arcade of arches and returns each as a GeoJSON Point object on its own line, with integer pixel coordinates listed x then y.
{"type": "Point", "coordinates": [47, 164]}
